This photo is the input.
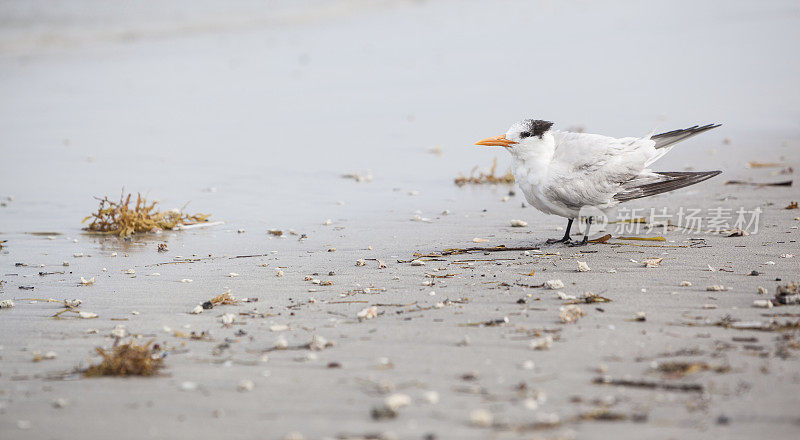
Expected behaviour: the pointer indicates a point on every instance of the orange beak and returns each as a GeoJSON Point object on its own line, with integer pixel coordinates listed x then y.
{"type": "Point", "coordinates": [496, 141]}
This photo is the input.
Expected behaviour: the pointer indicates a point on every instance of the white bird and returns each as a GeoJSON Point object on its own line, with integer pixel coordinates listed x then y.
{"type": "Point", "coordinates": [561, 172]}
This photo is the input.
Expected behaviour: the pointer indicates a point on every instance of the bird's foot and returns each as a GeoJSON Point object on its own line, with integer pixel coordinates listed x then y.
{"type": "Point", "coordinates": [557, 240]}
{"type": "Point", "coordinates": [577, 243]}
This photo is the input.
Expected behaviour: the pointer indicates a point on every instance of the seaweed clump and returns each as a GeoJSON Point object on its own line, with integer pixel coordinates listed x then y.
{"type": "Point", "coordinates": [484, 177]}
{"type": "Point", "coordinates": [127, 360]}
{"type": "Point", "coordinates": [120, 218]}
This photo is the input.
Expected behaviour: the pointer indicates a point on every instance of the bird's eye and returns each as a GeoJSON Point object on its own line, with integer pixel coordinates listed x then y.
{"type": "Point", "coordinates": [525, 134]}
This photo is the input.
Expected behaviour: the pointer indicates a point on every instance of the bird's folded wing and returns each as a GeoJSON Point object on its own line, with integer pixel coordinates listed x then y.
{"type": "Point", "coordinates": [660, 182]}
{"type": "Point", "coordinates": [602, 159]}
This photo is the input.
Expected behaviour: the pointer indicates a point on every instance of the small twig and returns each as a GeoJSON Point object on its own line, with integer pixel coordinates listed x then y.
{"type": "Point", "coordinates": [688, 387]}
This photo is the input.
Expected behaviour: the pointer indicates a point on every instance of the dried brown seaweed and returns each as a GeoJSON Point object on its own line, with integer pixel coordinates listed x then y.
{"type": "Point", "coordinates": [484, 177]}
{"type": "Point", "coordinates": [127, 360]}
{"type": "Point", "coordinates": [120, 218]}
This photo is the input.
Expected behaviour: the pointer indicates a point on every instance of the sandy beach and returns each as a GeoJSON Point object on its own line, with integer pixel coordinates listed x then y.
{"type": "Point", "coordinates": [359, 323]}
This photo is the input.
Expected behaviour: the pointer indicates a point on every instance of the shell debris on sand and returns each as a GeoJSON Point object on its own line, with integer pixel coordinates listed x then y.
{"type": "Point", "coordinates": [481, 418]}
{"type": "Point", "coordinates": [518, 223]}
{"type": "Point", "coordinates": [431, 397]}
{"type": "Point", "coordinates": [652, 262]}
{"type": "Point", "coordinates": [397, 400]}
{"type": "Point", "coordinates": [583, 267]}
{"type": "Point", "coordinates": [319, 343]}
{"type": "Point", "coordinates": [86, 282]}
{"type": "Point", "coordinates": [554, 284]}
{"type": "Point", "coordinates": [715, 288]}
{"type": "Point", "coordinates": [762, 303]}
{"type": "Point", "coordinates": [542, 343]}
{"type": "Point", "coordinates": [245, 385]}
{"type": "Point", "coordinates": [367, 313]}
{"type": "Point", "coordinates": [570, 313]}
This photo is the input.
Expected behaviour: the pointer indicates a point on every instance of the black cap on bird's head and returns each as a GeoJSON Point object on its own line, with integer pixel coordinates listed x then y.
{"type": "Point", "coordinates": [521, 130]}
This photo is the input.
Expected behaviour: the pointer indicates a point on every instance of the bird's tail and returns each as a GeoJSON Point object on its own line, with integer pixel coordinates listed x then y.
{"type": "Point", "coordinates": [667, 181]}
{"type": "Point", "coordinates": [664, 140]}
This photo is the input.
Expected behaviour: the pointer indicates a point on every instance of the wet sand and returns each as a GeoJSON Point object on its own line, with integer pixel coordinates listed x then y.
{"type": "Point", "coordinates": [255, 117]}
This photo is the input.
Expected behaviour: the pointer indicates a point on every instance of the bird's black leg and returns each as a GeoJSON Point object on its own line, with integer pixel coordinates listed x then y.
{"type": "Point", "coordinates": [566, 235]}
{"type": "Point", "coordinates": [586, 235]}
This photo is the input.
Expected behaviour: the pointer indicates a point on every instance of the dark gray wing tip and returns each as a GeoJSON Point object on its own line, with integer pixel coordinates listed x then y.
{"type": "Point", "coordinates": [676, 180]}
{"type": "Point", "coordinates": [691, 130]}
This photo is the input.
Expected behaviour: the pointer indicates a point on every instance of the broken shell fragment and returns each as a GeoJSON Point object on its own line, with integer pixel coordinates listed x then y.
{"type": "Point", "coordinates": [198, 309]}
{"type": "Point", "coordinates": [542, 343]}
{"type": "Point", "coordinates": [397, 400]}
{"type": "Point", "coordinates": [570, 313]}
{"type": "Point", "coordinates": [367, 313]}
{"type": "Point", "coordinates": [715, 288]}
{"type": "Point", "coordinates": [361, 262]}
{"type": "Point", "coordinates": [762, 303]}
{"type": "Point", "coordinates": [86, 282]}
{"type": "Point", "coordinates": [188, 386]}
{"type": "Point", "coordinates": [245, 385]}
{"type": "Point", "coordinates": [686, 284]}
{"type": "Point", "coordinates": [481, 418]}
{"type": "Point", "coordinates": [119, 332]}
{"type": "Point", "coordinates": [652, 262]}
{"type": "Point", "coordinates": [60, 403]}
{"type": "Point", "coordinates": [6, 304]}
{"type": "Point", "coordinates": [583, 267]}
{"type": "Point", "coordinates": [431, 397]}
{"type": "Point", "coordinates": [417, 263]}
{"type": "Point", "coordinates": [554, 284]}
{"type": "Point", "coordinates": [228, 318]}
{"type": "Point", "coordinates": [319, 343]}
{"type": "Point", "coordinates": [518, 223]}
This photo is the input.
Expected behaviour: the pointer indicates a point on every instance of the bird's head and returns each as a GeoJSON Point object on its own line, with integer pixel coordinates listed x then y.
{"type": "Point", "coordinates": [524, 135]}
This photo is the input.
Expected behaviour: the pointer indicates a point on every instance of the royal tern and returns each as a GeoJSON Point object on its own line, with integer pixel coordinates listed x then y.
{"type": "Point", "coordinates": [561, 172]}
